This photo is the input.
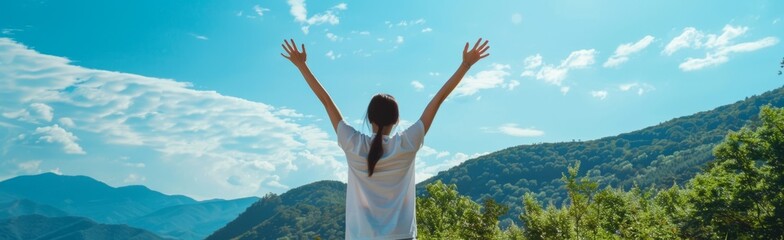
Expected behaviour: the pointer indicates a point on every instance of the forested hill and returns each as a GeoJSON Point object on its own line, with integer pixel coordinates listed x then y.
{"type": "Point", "coordinates": [672, 151]}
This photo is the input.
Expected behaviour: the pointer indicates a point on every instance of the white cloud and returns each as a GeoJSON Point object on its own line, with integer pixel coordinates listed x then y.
{"type": "Point", "coordinates": [564, 90]}
{"type": "Point", "coordinates": [134, 178]}
{"type": "Point", "coordinates": [486, 79]}
{"type": "Point", "coordinates": [332, 56]}
{"type": "Point", "coordinates": [399, 39]}
{"type": "Point", "coordinates": [555, 75]}
{"type": "Point", "coordinates": [434, 73]}
{"type": "Point", "coordinates": [601, 95]}
{"type": "Point", "coordinates": [259, 10]}
{"type": "Point", "coordinates": [624, 50]}
{"type": "Point", "coordinates": [202, 137]}
{"type": "Point", "coordinates": [417, 85]}
{"type": "Point", "coordinates": [517, 18]}
{"type": "Point", "coordinates": [641, 88]}
{"type": "Point", "coordinates": [717, 47]}
{"type": "Point", "coordinates": [512, 129]}
{"type": "Point", "coordinates": [689, 38]}
{"type": "Point", "coordinates": [364, 33]}
{"type": "Point", "coordinates": [426, 30]}
{"type": "Point", "coordinates": [579, 59]}
{"type": "Point", "coordinates": [67, 122]}
{"type": "Point", "coordinates": [341, 6]}
{"type": "Point", "coordinates": [56, 134]}
{"type": "Point", "coordinates": [300, 12]}
{"type": "Point", "coordinates": [333, 37]}
{"type": "Point", "coordinates": [200, 37]}
{"type": "Point", "coordinates": [45, 112]}
{"type": "Point", "coordinates": [532, 62]}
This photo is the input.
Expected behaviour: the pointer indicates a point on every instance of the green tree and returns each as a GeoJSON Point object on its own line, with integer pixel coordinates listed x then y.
{"type": "Point", "coordinates": [740, 195]}
{"type": "Point", "coordinates": [445, 214]}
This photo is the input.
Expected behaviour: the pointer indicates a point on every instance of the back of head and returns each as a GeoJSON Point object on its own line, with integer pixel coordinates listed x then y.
{"type": "Point", "coordinates": [383, 112]}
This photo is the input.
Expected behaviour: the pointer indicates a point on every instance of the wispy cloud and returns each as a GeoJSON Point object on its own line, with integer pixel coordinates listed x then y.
{"type": "Point", "coordinates": [512, 129]}
{"type": "Point", "coordinates": [300, 12]}
{"type": "Point", "coordinates": [56, 134]}
{"type": "Point", "coordinates": [200, 37]}
{"type": "Point", "coordinates": [427, 30]}
{"type": "Point", "coordinates": [640, 88]}
{"type": "Point", "coordinates": [601, 94]}
{"type": "Point", "coordinates": [555, 75]}
{"type": "Point", "coordinates": [624, 50]}
{"type": "Point", "coordinates": [202, 137]}
{"type": "Point", "coordinates": [260, 10]}
{"type": "Point", "coordinates": [417, 85]}
{"type": "Point", "coordinates": [495, 77]}
{"type": "Point", "coordinates": [718, 48]}
{"type": "Point", "coordinates": [332, 55]}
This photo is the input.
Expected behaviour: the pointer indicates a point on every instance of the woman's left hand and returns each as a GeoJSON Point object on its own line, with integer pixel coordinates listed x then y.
{"type": "Point", "coordinates": [295, 56]}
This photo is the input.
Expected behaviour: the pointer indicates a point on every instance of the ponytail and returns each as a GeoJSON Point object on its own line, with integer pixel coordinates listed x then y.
{"type": "Point", "coordinates": [382, 112]}
{"type": "Point", "coordinates": [376, 151]}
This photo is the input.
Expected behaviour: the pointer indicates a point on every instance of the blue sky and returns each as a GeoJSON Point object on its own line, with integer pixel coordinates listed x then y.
{"type": "Point", "coordinates": [192, 97]}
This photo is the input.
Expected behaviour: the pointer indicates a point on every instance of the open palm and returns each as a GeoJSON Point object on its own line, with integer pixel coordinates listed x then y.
{"type": "Point", "coordinates": [476, 53]}
{"type": "Point", "coordinates": [294, 55]}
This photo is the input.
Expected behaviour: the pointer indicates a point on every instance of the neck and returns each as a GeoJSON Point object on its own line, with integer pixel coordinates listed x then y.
{"type": "Point", "coordinates": [387, 129]}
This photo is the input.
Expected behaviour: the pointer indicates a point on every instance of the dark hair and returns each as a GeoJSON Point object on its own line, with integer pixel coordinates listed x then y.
{"type": "Point", "coordinates": [382, 111]}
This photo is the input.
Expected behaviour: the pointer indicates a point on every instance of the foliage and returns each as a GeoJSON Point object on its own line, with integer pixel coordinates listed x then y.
{"type": "Point", "coordinates": [671, 152]}
{"type": "Point", "coordinates": [444, 214]}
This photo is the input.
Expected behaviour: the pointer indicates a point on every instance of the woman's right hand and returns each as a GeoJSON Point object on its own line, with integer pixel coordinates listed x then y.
{"type": "Point", "coordinates": [295, 56]}
{"type": "Point", "coordinates": [476, 53]}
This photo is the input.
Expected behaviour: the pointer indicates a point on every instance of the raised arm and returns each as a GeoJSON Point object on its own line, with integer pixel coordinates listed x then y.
{"type": "Point", "coordinates": [469, 58]}
{"type": "Point", "coordinates": [298, 59]}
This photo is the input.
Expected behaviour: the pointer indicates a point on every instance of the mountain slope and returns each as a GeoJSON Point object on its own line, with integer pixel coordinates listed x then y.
{"type": "Point", "coordinates": [661, 155]}
{"type": "Point", "coordinates": [20, 207]}
{"type": "Point", "coordinates": [84, 196]}
{"type": "Point", "coordinates": [316, 209]}
{"type": "Point", "coordinates": [193, 221]}
{"type": "Point", "coordinates": [72, 228]}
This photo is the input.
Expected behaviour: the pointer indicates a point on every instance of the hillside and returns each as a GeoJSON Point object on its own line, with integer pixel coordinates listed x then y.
{"type": "Point", "coordinates": [20, 207]}
{"type": "Point", "coordinates": [316, 209]}
{"type": "Point", "coordinates": [661, 155]}
{"type": "Point", "coordinates": [670, 152]}
{"type": "Point", "coordinates": [72, 228]}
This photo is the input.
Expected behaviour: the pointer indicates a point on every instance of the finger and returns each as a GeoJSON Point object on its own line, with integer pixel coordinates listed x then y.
{"type": "Point", "coordinates": [294, 44]}
{"type": "Point", "coordinates": [484, 55]}
{"type": "Point", "coordinates": [303, 49]}
{"type": "Point", "coordinates": [476, 44]}
{"type": "Point", "coordinates": [484, 44]}
{"type": "Point", "coordinates": [484, 49]}
{"type": "Point", "coordinates": [287, 50]}
{"type": "Point", "coordinates": [289, 46]}
{"type": "Point", "coordinates": [465, 49]}
{"type": "Point", "coordinates": [289, 58]}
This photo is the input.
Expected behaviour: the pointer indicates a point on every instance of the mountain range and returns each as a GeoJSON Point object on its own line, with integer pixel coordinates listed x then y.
{"type": "Point", "coordinates": [49, 195]}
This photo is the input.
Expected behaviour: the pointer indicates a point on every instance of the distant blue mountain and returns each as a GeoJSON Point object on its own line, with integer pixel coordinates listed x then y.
{"type": "Point", "coordinates": [87, 197]}
{"type": "Point", "coordinates": [172, 216]}
{"type": "Point", "coordinates": [71, 228]}
{"type": "Point", "coordinates": [20, 207]}
{"type": "Point", "coordinates": [193, 221]}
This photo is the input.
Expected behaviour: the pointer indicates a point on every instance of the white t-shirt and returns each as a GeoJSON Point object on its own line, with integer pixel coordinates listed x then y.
{"type": "Point", "coordinates": [382, 206]}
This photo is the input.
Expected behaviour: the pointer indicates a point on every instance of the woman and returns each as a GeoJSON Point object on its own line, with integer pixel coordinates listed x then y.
{"type": "Point", "coordinates": [380, 198]}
